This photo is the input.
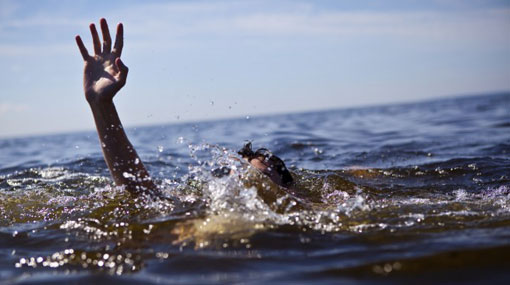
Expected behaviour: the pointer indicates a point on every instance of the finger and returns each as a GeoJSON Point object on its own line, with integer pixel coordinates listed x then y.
{"type": "Point", "coordinates": [95, 39]}
{"type": "Point", "coordinates": [83, 49]}
{"type": "Point", "coordinates": [122, 68]}
{"type": "Point", "coordinates": [107, 40]}
{"type": "Point", "coordinates": [119, 40]}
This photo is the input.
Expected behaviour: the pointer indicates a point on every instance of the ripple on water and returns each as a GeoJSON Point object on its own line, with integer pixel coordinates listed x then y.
{"type": "Point", "coordinates": [399, 206]}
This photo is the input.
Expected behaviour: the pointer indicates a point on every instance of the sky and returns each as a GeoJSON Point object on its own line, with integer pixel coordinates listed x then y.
{"type": "Point", "coordinates": [205, 60]}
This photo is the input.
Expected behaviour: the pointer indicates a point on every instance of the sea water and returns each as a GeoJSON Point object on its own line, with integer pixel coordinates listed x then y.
{"type": "Point", "coordinates": [396, 193]}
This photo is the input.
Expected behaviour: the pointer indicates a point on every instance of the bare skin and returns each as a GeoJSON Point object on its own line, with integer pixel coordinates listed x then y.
{"type": "Point", "coordinates": [104, 75]}
{"type": "Point", "coordinates": [262, 165]}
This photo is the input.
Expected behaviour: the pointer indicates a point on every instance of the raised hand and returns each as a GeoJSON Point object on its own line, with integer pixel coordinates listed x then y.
{"type": "Point", "coordinates": [105, 74]}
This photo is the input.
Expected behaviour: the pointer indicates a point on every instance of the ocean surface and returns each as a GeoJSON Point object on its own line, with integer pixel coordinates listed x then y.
{"type": "Point", "coordinates": [385, 194]}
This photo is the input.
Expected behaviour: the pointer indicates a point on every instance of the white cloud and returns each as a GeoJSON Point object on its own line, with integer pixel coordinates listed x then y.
{"type": "Point", "coordinates": [206, 17]}
{"type": "Point", "coordinates": [6, 108]}
{"type": "Point", "coordinates": [43, 21]}
{"type": "Point", "coordinates": [7, 8]}
{"type": "Point", "coordinates": [9, 50]}
{"type": "Point", "coordinates": [188, 22]}
{"type": "Point", "coordinates": [170, 23]}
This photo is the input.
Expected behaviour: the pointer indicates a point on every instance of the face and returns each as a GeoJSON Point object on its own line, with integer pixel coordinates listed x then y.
{"type": "Point", "coordinates": [267, 163]}
{"type": "Point", "coordinates": [264, 166]}
{"type": "Point", "coordinates": [258, 162]}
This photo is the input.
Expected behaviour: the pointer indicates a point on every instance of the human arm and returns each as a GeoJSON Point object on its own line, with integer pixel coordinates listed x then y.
{"type": "Point", "coordinates": [104, 75]}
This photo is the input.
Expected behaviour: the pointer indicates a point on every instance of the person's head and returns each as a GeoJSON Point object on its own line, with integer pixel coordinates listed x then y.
{"type": "Point", "coordinates": [268, 163]}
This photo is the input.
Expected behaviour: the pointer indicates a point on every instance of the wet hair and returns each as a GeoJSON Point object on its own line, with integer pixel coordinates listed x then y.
{"type": "Point", "coordinates": [272, 160]}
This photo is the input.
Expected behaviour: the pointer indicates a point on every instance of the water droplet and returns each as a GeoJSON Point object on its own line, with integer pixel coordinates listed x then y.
{"type": "Point", "coordinates": [397, 265]}
{"type": "Point", "coordinates": [388, 268]}
{"type": "Point", "coordinates": [212, 103]}
{"type": "Point", "coordinates": [160, 148]}
{"type": "Point", "coordinates": [127, 175]}
{"type": "Point", "coordinates": [378, 269]}
{"type": "Point", "coordinates": [247, 117]}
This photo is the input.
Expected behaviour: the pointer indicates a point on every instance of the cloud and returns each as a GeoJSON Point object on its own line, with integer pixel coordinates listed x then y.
{"type": "Point", "coordinates": [10, 50]}
{"type": "Point", "coordinates": [43, 21]}
{"type": "Point", "coordinates": [7, 8]}
{"type": "Point", "coordinates": [190, 22]}
{"type": "Point", "coordinates": [6, 108]}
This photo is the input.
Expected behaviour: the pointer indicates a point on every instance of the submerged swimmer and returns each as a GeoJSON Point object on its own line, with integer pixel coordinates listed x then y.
{"type": "Point", "coordinates": [269, 164]}
{"type": "Point", "coordinates": [104, 75]}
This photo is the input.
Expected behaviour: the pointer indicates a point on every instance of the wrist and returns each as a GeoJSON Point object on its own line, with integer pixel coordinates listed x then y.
{"type": "Point", "coordinates": [100, 104]}
{"type": "Point", "coordinates": [95, 99]}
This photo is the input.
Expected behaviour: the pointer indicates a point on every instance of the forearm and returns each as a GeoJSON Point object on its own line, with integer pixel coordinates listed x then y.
{"type": "Point", "coordinates": [123, 162]}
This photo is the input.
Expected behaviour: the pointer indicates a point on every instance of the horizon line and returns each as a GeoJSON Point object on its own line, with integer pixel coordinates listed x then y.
{"type": "Point", "coordinates": [269, 114]}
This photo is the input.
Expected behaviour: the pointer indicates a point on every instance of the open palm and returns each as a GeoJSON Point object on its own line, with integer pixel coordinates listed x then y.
{"type": "Point", "coordinates": [104, 73]}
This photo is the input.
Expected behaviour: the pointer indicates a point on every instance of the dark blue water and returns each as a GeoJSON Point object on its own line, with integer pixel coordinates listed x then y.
{"type": "Point", "coordinates": [399, 193]}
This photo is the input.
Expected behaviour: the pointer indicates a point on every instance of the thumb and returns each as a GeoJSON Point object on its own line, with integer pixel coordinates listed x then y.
{"type": "Point", "coordinates": [122, 68]}
{"type": "Point", "coordinates": [123, 71]}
